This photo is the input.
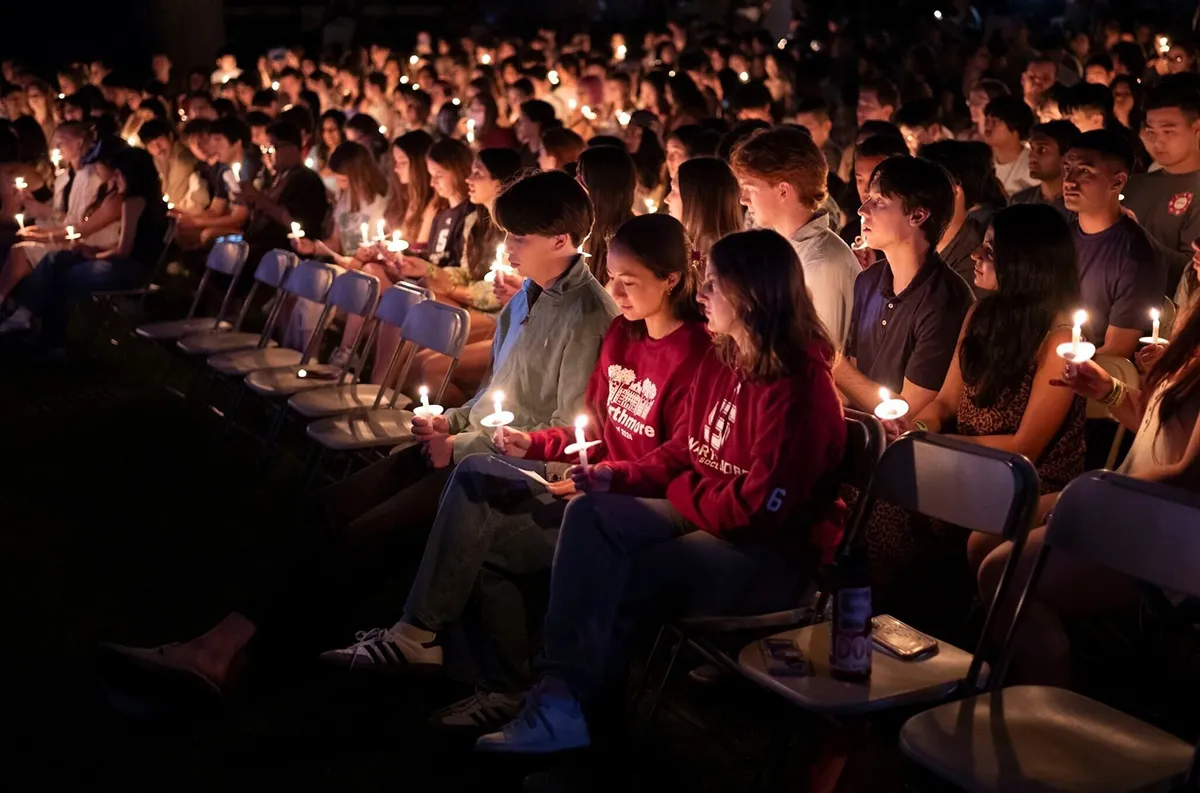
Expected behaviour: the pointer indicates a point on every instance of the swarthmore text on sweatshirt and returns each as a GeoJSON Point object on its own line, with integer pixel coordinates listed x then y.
{"type": "Point", "coordinates": [758, 462]}
{"type": "Point", "coordinates": [636, 397]}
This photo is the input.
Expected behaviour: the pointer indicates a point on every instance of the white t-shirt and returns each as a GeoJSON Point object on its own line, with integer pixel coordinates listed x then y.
{"type": "Point", "coordinates": [349, 224]}
{"type": "Point", "coordinates": [1014, 176]}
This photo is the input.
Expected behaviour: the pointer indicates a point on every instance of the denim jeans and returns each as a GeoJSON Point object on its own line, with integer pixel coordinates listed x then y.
{"type": "Point", "coordinates": [68, 275]}
{"type": "Point", "coordinates": [621, 560]}
{"type": "Point", "coordinates": [495, 530]}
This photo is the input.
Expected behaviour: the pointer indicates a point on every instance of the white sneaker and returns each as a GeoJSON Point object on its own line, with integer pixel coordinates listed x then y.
{"type": "Point", "coordinates": [547, 723]}
{"type": "Point", "coordinates": [19, 320]}
{"type": "Point", "coordinates": [483, 712]}
{"type": "Point", "coordinates": [384, 650]}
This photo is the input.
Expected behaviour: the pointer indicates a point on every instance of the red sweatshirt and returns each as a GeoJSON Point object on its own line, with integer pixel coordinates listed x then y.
{"type": "Point", "coordinates": [758, 460]}
{"type": "Point", "coordinates": [636, 397]}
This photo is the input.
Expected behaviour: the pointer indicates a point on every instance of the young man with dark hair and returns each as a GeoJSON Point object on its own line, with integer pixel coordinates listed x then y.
{"type": "Point", "coordinates": [877, 101]}
{"type": "Point", "coordinates": [1089, 107]}
{"type": "Point", "coordinates": [1099, 70]}
{"type": "Point", "coordinates": [964, 233]}
{"type": "Point", "coordinates": [753, 101]}
{"type": "Point", "coordinates": [1121, 275]}
{"type": "Point", "coordinates": [920, 123]}
{"type": "Point", "coordinates": [1007, 121]}
{"type": "Point", "coordinates": [869, 152]}
{"type": "Point", "coordinates": [546, 345]}
{"type": "Point", "coordinates": [293, 194]}
{"type": "Point", "coordinates": [176, 166]}
{"type": "Point", "coordinates": [908, 308]}
{"type": "Point", "coordinates": [1040, 74]}
{"type": "Point", "coordinates": [1047, 144]}
{"type": "Point", "coordinates": [783, 176]}
{"type": "Point", "coordinates": [226, 212]}
{"type": "Point", "coordinates": [1165, 201]}
{"type": "Point", "coordinates": [814, 116]}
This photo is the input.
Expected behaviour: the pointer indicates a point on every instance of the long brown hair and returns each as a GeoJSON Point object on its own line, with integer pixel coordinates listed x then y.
{"type": "Point", "coordinates": [456, 157]}
{"type": "Point", "coordinates": [1176, 371]}
{"type": "Point", "coordinates": [503, 165]}
{"type": "Point", "coordinates": [367, 182]}
{"type": "Point", "coordinates": [709, 193]}
{"type": "Point", "coordinates": [414, 197]}
{"type": "Point", "coordinates": [609, 175]}
{"type": "Point", "coordinates": [761, 276]}
{"type": "Point", "coordinates": [660, 244]}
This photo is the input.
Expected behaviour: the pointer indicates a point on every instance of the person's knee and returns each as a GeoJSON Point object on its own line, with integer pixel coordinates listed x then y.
{"type": "Point", "coordinates": [991, 569]}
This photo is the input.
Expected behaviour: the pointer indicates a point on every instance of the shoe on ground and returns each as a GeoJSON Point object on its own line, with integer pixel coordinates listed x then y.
{"type": "Point", "coordinates": [19, 320]}
{"type": "Point", "coordinates": [706, 675]}
{"type": "Point", "coordinates": [480, 713]}
{"type": "Point", "coordinates": [384, 650]}
{"type": "Point", "coordinates": [164, 665]}
{"type": "Point", "coordinates": [547, 723]}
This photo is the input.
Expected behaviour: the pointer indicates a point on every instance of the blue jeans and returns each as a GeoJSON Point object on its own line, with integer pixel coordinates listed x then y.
{"type": "Point", "coordinates": [495, 530]}
{"type": "Point", "coordinates": [68, 275]}
{"type": "Point", "coordinates": [622, 560]}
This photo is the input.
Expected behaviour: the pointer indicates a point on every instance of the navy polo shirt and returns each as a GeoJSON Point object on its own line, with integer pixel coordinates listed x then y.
{"type": "Point", "coordinates": [911, 335]}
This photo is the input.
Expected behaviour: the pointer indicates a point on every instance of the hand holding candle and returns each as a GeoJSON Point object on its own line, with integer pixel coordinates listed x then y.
{"type": "Point", "coordinates": [890, 408]}
{"type": "Point", "coordinates": [499, 418]}
{"type": "Point", "coordinates": [297, 232]}
{"type": "Point", "coordinates": [499, 266]}
{"type": "Point", "coordinates": [21, 224]}
{"type": "Point", "coordinates": [581, 444]}
{"type": "Point", "coordinates": [397, 245]}
{"type": "Point", "coordinates": [71, 235]}
{"type": "Point", "coordinates": [20, 183]}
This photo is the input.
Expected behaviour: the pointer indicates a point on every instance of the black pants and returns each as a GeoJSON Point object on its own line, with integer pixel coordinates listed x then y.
{"type": "Point", "coordinates": [372, 522]}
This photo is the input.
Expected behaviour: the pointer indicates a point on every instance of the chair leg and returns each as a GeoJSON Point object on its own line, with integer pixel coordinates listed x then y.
{"type": "Point", "coordinates": [656, 698]}
{"type": "Point", "coordinates": [1116, 447]}
{"type": "Point", "coordinates": [231, 412]}
{"type": "Point", "coordinates": [277, 424]}
{"type": "Point", "coordinates": [312, 466]}
{"type": "Point", "coordinates": [640, 685]}
{"type": "Point", "coordinates": [778, 741]}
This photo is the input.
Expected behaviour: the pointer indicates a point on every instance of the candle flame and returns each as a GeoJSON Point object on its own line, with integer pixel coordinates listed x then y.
{"type": "Point", "coordinates": [581, 421]}
{"type": "Point", "coordinates": [1080, 317]}
{"type": "Point", "coordinates": [497, 396]}
{"type": "Point", "coordinates": [423, 391]}
{"type": "Point", "coordinates": [1154, 315]}
{"type": "Point", "coordinates": [884, 396]}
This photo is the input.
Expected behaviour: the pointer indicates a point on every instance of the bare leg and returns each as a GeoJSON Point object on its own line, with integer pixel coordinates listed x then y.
{"type": "Point", "coordinates": [1068, 588]}
{"type": "Point", "coordinates": [212, 653]}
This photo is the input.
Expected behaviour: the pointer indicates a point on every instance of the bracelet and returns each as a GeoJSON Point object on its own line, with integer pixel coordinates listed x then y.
{"type": "Point", "coordinates": [921, 425]}
{"type": "Point", "coordinates": [1116, 396]}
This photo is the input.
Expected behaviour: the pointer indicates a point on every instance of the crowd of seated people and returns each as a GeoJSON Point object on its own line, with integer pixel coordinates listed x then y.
{"type": "Point", "coordinates": [709, 251]}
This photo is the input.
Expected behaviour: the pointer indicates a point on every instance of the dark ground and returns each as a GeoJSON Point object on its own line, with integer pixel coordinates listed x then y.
{"type": "Point", "coordinates": [124, 518]}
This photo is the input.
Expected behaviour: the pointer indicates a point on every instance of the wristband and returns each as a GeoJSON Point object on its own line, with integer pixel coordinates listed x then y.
{"type": "Point", "coordinates": [1116, 396]}
{"type": "Point", "coordinates": [921, 425]}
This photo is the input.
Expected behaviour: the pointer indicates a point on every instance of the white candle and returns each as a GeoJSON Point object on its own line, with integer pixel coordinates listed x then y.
{"type": "Point", "coordinates": [424, 396]}
{"type": "Point", "coordinates": [744, 77]}
{"type": "Point", "coordinates": [572, 103]}
{"type": "Point", "coordinates": [297, 232]}
{"type": "Point", "coordinates": [383, 129]}
{"type": "Point", "coordinates": [309, 163]}
{"type": "Point", "coordinates": [364, 235]}
{"type": "Point", "coordinates": [56, 158]}
{"type": "Point", "coordinates": [1077, 332]}
{"type": "Point", "coordinates": [20, 183]}
{"type": "Point", "coordinates": [485, 59]}
{"type": "Point", "coordinates": [623, 118]}
{"type": "Point", "coordinates": [397, 245]}
{"type": "Point", "coordinates": [497, 402]}
{"type": "Point", "coordinates": [1153, 328]}
{"type": "Point", "coordinates": [651, 206]}
{"type": "Point", "coordinates": [21, 225]}
{"type": "Point", "coordinates": [581, 440]}
{"type": "Point", "coordinates": [890, 408]}
{"type": "Point", "coordinates": [413, 60]}
{"type": "Point", "coordinates": [381, 236]}
{"type": "Point", "coordinates": [71, 235]}
{"type": "Point", "coordinates": [426, 410]}
{"type": "Point", "coordinates": [274, 85]}
{"type": "Point", "coordinates": [621, 51]}
{"type": "Point", "coordinates": [470, 130]}
{"type": "Point", "coordinates": [237, 172]}
{"type": "Point", "coordinates": [588, 113]}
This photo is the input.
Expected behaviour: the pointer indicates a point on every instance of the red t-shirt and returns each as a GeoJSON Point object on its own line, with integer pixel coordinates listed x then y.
{"type": "Point", "coordinates": [636, 397]}
{"type": "Point", "coordinates": [757, 458]}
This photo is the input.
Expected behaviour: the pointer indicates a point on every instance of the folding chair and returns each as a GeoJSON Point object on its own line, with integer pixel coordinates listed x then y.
{"type": "Point", "coordinates": [1037, 738]}
{"type": "Point", "coordinates": [865, 442]}
{"type": "Point", "coordinates": [226, 257]}
{"type": "Point", "coordinates": [107, 301]}
{"type": "Point", "coordinates": [273, 270]}
{"type": "Point", "coordinates": [349, 394]}
{"type": "Point", "coordinates": [355, 293]}
{"type": "Point", "coordinates": [428, 326]}
{"type": "Point", "coordinates": [930, 475]}
{"type": "Point", "coordinates": [311, 280]}
{"type": "Point", "coordinates": [1126, 371]}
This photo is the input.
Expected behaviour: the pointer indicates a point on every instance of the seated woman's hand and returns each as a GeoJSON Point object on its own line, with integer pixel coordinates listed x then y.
{"type": "Point", "coordinates": [426, 429]}
{"type": "Point", "coordinates": [1088, 379]}
{"type": "Point", "coordinates": [894, 428]}
{"type": "Point", "coordinates": [439, 450]}
{"type": "Point", "coordinates": [563, 489]}
{"type": "Point", "coordinates": [514, 443]}
{"type": "Point", "coordinates": [1148, 356]}
{"type": "Point", "coordinates": [304, 246]}
{"type": "Point", "coordinates": [593, 479]}
{"type": "Point", "coordinates": [412, 267]}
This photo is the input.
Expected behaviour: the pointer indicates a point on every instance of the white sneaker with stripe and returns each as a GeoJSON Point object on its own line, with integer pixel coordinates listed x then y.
{"type": "Point", "coordinates": [383, 649]}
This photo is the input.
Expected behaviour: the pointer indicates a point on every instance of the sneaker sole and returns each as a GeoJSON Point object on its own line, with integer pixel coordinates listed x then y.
{"type": "Point", "coordinates": [384, 670]}
{"type": "Point", "coordinates": [508, 749]}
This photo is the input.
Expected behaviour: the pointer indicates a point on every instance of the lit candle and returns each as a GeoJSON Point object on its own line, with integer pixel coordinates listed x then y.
{"type": "Point", "coordinates": [470, 130]}
{"type": "Point", "coordinates": [413, 60]}
{"type": "Point", "coordinates": [426, 410]}
{"type": "Point", "coordinates": [166, 198]}
{"type": "Point", "coordinates": [572, 103]}
{"type": "Point", "coordinates": [297, 232]}
{"type": "Point", "coordinates": [1153, 319]}
{"type": "Point", "coordinates": [581, 440]}
{"type": "Point", "coordinates": [498, 266]}
{"type": "Point", "coordinates": [237, 171]}
{"type": "Point", "coordinates": [621, 52]}
{"type": "Point", "coordinates": [744, 77]}
{"type": "Point", "coordinates": [21, 225]}
{"type": "Point", "coordinates": [274, 85]}
{"type": "Point", "coordinates": [623, 118]}
{"type": "Point", "coordinates": [651, 206]}
{"type": "Point", "coordinates": [1077, 332]}
{"type": "Point", "coordinates": [588, 113]}
{"type": "Point", "coordinates": [860, 244]}
{"type": "Point", "coordinates": [383, 129]}
{"type": "Point", "coordinates": [170, 206]}
{"type": "Point", "coordinates": [397, 245]}
{"type": "Point", "coordinates": [20, 183]}
{"type": "Point", "coordinates": [497, 402]}
{"type": "Point", "coordinates": [552, 76]}
{"type": "Point", "coordinates": [71, 235]}
{"type": "Point", "coordinates": [380, 235]}
{"type": "Point", "coordinates": [309, 163]}
{"type": "Point", "coordinates": [364, 239]}
{"type": "Point", "coordinates": [56, 158]}
{"type": "Point", "coordinates": [890, 408]}
{"type": "Point", "coordinates": [485, 59]}
{"type": "Point", "coordinates": [782, 44]}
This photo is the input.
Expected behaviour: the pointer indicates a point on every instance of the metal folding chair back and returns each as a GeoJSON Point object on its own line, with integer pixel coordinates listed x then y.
{"type": "Point", "coordinates": [272, 271]}
{"type": "Point", "coordinates": [353, 292]}
{"type": "Point", "coordinates": [434, 326]}
{"type": "Point", "coordinates": [226, 258]}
